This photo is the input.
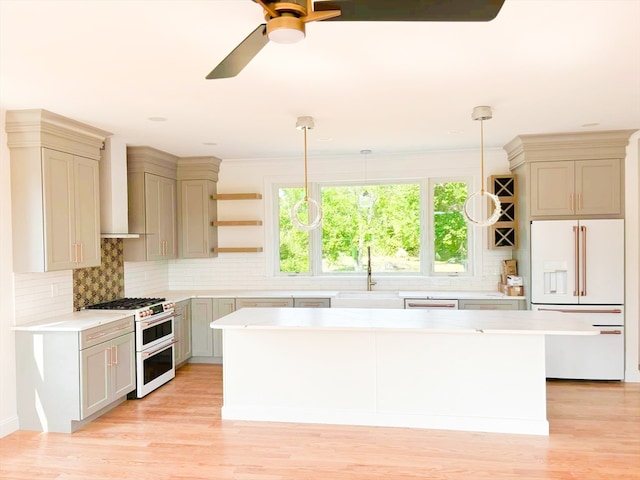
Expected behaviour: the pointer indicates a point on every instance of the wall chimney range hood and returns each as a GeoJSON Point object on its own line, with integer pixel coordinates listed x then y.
{"type": "Point", "coordinates": [114, 208]}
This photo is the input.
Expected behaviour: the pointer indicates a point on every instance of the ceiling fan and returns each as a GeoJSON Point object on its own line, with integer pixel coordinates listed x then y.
{"type": "Point", "coordinates": [285, 20]}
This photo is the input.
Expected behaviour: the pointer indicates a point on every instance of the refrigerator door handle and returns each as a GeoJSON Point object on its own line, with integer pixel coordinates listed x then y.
{"type": "Point", "coordinates": [571, 310]}
{"type": "Point", "coordinates": [583, 230]}
{"type": "Point", "coordinates": [576, 272]}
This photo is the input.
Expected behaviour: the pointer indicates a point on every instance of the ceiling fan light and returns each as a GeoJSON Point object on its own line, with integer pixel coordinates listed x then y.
{"type": "Point", "coordinates": [285, 29]}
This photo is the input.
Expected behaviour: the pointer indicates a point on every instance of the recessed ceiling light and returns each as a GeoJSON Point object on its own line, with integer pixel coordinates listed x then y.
{"type": "Point", "coordinates": [157, 119]}
{"type": "Point", "coordinates": [209, 143]}
{"type": "Point", "coordinates": [593, 124]}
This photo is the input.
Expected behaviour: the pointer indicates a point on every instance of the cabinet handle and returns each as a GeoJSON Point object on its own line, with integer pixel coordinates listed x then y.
{"type": "Point", "coordinates": [75, 253]}
{"type": "Point", "coordinates": [569, 310]}
{"type": "Point", "coordinates": [96, 335]}
{"type": "Point", "coordinates": [109, 361]}
{"type": "Point", "coordinates": [610, 332]}
{"type": "Point", "coordinates": [432, 305]}
{"type": "Point", "coordinates": [576, 248]}
{"type": "Point", "coordinates": [115, 355]}
{"type": "Point", "coordinates": [579, 201]}
{"type": "Point", "coordinates": [583, 229]}
{"type": "Point", "coordinates": [81, 252]}
{"type": "Point", "coordinates": [571, 203]}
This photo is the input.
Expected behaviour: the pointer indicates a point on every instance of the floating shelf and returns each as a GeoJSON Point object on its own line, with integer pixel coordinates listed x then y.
{"type": "Point", "coordinates": [237, 249]}
{"type": "Point", "coordinates": [236, 223]}
{"type": "Point", "coordinates": [237, 196]}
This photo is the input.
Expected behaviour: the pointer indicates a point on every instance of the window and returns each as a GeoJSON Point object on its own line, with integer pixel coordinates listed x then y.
{"type": "Point", "coordinates": [394, 227]}
{"type": "Point", "coordinates": [450, 232]}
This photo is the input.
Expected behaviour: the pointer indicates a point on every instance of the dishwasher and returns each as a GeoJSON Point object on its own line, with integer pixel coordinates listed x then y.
{"type": "Point", "coordinates": [430, 304]}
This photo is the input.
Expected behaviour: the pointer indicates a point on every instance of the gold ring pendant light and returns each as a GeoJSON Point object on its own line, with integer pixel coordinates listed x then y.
{"type": "Point", "coordinates": [482, 113]}
{"type": "Point", "coordinates": [306, 123]}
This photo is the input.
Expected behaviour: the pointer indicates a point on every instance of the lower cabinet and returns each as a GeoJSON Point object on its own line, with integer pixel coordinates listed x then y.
{"type": "Point", "coordinates": [491, 305]}
{"type": "Point", "coordinates": [206, 343]}
{"type": "Point", "coordinates": [68, 378]}
{"type": "Point", "coordinates": [182, 332]}
{"type": "Point", "coordinates": [107, 372]}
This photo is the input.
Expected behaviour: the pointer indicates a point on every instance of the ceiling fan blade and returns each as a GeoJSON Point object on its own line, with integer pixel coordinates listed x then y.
{"type": "Point", "coordinates": [241, 55]}
{"type": "Point", "coordinates": [412, 10]}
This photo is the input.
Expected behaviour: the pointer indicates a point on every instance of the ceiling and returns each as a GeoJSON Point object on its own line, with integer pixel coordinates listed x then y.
{"type": "Point", "coordinates": [542, 65]}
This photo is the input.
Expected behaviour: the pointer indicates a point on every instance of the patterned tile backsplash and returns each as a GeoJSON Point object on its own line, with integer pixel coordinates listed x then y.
{"type": "Point", "coordinates": [104, 283]}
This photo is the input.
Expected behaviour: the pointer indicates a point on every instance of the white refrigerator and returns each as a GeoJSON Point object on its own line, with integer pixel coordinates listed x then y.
{"type": "Point", "coordinates": [577, 267]}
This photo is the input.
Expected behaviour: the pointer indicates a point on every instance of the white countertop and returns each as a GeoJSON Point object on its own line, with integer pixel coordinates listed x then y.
{"type": "Point", "coordinates": [73, 322]}
{"type": "Point", "coordinates": [453, 321]}
{"type": "Point", "coordinates": [177, 295]}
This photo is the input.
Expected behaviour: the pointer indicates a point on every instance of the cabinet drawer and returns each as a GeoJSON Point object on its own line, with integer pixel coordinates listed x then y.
{"type": "Point", "coordinates": [312, 302]}
{"type": "Point", "coordinates": [264, 302]}
{"type": "Point", "coordinates": [105, 332]}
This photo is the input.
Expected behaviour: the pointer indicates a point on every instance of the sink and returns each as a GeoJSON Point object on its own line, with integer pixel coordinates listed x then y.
{"type": "Point", "coordinates": [367, 299]}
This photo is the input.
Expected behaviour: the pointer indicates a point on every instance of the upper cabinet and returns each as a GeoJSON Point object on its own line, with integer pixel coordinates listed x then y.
{"type": "Point", "coordinates": [197, 207]}
{"type": "Point", "coordinates": [585, 187]}
{"type": "Point", "coordinates": [152, 188]}
{"type": "Point", "coordinates": [54, 191]}
{"type": "Point", "coordinates": [572, 175]}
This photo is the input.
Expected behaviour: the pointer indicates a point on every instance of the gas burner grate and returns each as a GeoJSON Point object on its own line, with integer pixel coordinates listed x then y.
{"type": "Point", "coordinates": [126, 304]}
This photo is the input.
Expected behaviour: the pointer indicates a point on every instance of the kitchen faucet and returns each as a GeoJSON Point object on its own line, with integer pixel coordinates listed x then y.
{"type": "Point", "coordinates": [370, 282]}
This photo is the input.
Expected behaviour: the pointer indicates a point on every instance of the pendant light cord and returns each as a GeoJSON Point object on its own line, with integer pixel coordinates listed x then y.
{"type": "Point", "coordinates": [482, 156]}
{"type": "Point", "coordinates": [306, 187]}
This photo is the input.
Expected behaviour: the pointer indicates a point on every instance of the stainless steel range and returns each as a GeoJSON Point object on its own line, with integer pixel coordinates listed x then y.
{"type": "Point", "coordinates": [154, 332]}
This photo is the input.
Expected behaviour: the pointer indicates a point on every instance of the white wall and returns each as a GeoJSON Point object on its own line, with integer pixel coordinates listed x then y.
{"type": "Point", "coordinates": [255, 270]}
{"type": "Point", "coordinates": [8, 411]}
{"type": "Point", "coordinates": [632, 258]}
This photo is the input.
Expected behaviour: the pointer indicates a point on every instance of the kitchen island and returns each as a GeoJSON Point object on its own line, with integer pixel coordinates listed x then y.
{"type": "Point", "coordinates": [454, 370]}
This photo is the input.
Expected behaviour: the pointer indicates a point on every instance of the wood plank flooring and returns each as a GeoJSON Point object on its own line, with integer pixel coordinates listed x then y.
{"type": "Point", "coordinates": [176, 433]}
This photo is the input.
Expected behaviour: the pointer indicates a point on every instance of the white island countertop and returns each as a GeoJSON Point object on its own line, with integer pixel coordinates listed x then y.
{"type": "Point", "coordinates": [520, 322]}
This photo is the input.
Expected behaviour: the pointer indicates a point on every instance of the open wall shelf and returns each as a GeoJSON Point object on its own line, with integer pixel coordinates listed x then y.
{"type": "Point", "coordinates": [237, 223]}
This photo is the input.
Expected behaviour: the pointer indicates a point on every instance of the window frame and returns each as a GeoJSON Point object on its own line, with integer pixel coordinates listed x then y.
{"type": "Point", "coordinates": [426, 187]}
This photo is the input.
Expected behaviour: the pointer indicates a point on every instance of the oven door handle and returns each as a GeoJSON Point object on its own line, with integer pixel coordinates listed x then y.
{"type": "Point", "coordinates": [156, 320]}
{"type": "Point", "coordinates": [161, 349]}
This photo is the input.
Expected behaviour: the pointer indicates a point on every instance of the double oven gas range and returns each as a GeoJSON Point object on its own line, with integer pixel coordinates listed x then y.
{"type": "Point", "coordinates": [154, 334]}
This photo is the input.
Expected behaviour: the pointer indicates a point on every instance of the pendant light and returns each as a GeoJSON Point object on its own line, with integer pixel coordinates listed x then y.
{"type": "Point", "coordinates": [482, 113]}
{"type": "Point", "coordinates": [306, 123]}
{"type": "Point", "coordinates": [366, 199]}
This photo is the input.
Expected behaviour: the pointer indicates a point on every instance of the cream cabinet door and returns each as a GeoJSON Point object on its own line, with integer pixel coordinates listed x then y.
{"type": "Point", "coordinates": [59, 211]}
{"type": "Point", "coordinates": [95, 378]}
{"type": "Point", "coordinates": [168, 219]}
{"type": "Point", "coordinates": [552, 188]}
{"type": "Point", "coordinates": [201, 318]}
{"type": "Point", "coordinates": [153, 216]}
{"type": "Point", "coordinates": [198, 235]}
{"type": "Point", "coordinates": [160, 216]}
{"type": "Point", "coordinates": [87, 211]}
{"type": "Point", "coordinates": [599, 187]}
{"type": "Point", "coordinates": [123, 366]}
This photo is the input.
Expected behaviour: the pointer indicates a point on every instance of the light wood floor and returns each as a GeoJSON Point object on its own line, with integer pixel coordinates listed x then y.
{"type": "Point", "coordinates": [176, 434]}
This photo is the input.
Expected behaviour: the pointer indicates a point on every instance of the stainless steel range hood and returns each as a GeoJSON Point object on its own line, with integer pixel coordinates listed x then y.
{"type": "Point", "coordinates": [114, 208]}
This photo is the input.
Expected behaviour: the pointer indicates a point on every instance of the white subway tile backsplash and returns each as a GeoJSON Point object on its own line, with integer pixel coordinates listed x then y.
{"type": "Point", "coordinates": [42, 295]}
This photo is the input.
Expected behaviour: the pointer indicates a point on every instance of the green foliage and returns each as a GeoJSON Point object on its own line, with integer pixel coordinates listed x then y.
{"type": "Point", "coordinates": [391, 228]}
{"type": "Point", "coordinates": [294, 243]}
{"type": "Point", "coordinates": [449, 224]}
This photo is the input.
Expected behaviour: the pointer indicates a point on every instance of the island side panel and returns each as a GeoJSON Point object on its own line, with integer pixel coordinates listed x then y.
{"type": "Point", "coordinates": [298, 375]}
{"type": "Point", "coordinates": [475, 381]}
